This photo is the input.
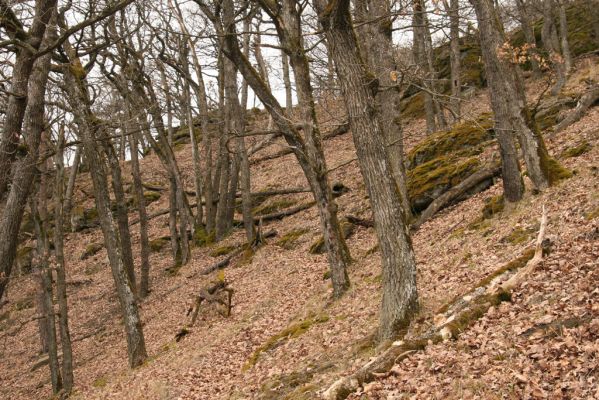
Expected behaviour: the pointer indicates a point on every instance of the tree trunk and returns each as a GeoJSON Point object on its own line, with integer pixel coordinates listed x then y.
{"type": "Point", "coordinates": [138, 189]}
{"type": "Point", "coordinates": [19, 93]}
{"type": "Point", "coordinates": [563, 33]}
{"type": "Point", "coordinates": [378, 46]}
{"type": "Point", "coordinates": [88, 128]}
{"type": "Point", "coordinates": [400, 297]}
{"type": "Point", "coordinates": [39, 211]}
{"type": "Point", "coordinates": [551, 43]}
{"type": "Point", "coordinates": [68, 201]}
{"type": "Point", "coordinates": [509, 106]}
{"type": "Point", "coordinates": [61, 284]}
{"type": "Point", "coordinates": [25, 168]}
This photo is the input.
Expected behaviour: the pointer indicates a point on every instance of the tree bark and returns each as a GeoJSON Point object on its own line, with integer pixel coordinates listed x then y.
{"type": "Point", "coordinates": [61, 285]}
{"type": "Point", "coordinates": [144, 283]}
{"type": "Point", "coordinates": [19, 92]}
{"type": "Point", "coordinates": [400, 297]}
{"type": "Point", "coordinates": [512, 116]}
{"type": "Point", "coordinates": [25, 168]}
{"type": "Point", "coordinates": [378, 46]}
{"type": "Point", "coordinates": [80, 104]}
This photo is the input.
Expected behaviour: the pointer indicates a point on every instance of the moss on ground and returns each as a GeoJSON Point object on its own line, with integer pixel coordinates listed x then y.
{"type": "Point", "coordinates": [201, 237]}
{"type": "Point", "coordinates": [288, 240]}
{"type": "Point", "coordinates": [292, 331]}
{"type": "Point", "coordinates": [222, 251]}
{"type": "Point", "coordinates": [273, 207]}
{"type": "Point", "coordinates": [91, 250]}
{"type": "Point", "coordinates": [577, 151]}
{"type": "Point", "coordinates": [493, 205]}
{"type": "Point", "coordinates": [156, 245]}
{"type": "Point", "coordinates": [592, 214]}
{"type": "Point", "coordinates": [319, 247]}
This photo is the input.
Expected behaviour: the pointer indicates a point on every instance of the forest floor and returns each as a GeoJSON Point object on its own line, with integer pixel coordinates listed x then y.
{"type": "Point", "coordinates": [525, 348]}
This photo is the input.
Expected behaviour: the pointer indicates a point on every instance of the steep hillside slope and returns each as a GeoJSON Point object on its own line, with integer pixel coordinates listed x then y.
{"type": "Point", "coordinates": [286, 339]}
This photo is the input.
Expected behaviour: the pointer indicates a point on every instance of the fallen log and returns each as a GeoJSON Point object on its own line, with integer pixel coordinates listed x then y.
{"type": "Point", "coordinates": [452, 319]}
{"type": "Point", "coordinates": [454, 193]}
{"type": "Point", "coordinates": [285, 213]}
{"type": "Point", "coordinates": [340, 130]}
{"type": "Point", "coordinates": [589, 98]}
{"type": "Point", "coordinates": [238, 249]}
{"type": "Point", "coordinates": [265, 193]}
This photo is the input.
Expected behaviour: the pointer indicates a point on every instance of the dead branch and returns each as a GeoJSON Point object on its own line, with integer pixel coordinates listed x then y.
{"type": "Point", "coordinates": [210, 294]}
{"type": "Point", "coordinates": [285, 213]}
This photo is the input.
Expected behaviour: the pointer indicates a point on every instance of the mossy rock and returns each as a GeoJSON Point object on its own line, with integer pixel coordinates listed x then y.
{"type": "Point", "coordinates": [156, 245]}
{"type": "Point", "coordinates": [91, 250]}
{"type": "Point", "coordinates": [82, 219]}
{"type": "Point", "coordinates": [24, 259]}
{"type": "Point", "coordinates": [202, 238]}
{"type": "Point", "coordinates": [288, 240]}
{"type": "Point", "coordinates": [468, 135]}
{"type": "Point", "coordinates": [273, 207]}
{"type": "Point", "coordinates": [319, 247]}
{"type": "Point", "coordinates": [292, 331]}
{"type": "Point", "coordinates": [433, 178]}
{"type": "Point", "coordinates": [493, 205]}
{"type": "Point", "coordinates": [556, 171]}
{"type": "Point", "coordinates": [413, 106]}
{"type": "Point", "coordinates": [222, 251]}
{"type": "Point", "coordinates": [577, 150]}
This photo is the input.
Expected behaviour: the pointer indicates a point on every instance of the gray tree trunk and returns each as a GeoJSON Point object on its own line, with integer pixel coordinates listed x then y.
{"type": "Point", "coordinates": [400, 297]}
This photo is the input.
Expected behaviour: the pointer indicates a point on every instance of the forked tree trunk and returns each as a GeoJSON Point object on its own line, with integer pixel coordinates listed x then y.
{"type": "Point", "coordinates": [400, 297]}
{"type": "Point", "coordinates": [24, 169]}
{"type": "Point", "coordinates": [18, 93]}
{"type": "Point", "coordinates": [508, 101]}
{"type": "Point", "coordinates": [88, 127]}
{"type": "Point", "coordinates": [309, 158]}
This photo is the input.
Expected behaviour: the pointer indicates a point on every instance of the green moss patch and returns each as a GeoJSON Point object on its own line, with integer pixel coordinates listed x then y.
{"type": "Point", "coordinates": [433, 178]}
{"type": "Point", "coordinates": [202, 238]}
{"type": "Point", "coordinates": [288, 240]}
{"type": "Point", "coordinates": [468, 135]}
{"type": "Point", "coordinates": [493, 205]}
{"type": "Point", "coordinates": [273, 207]}
{"type": "Point", "coordinates": [156, 245]}
{"type": "Point", "coordinates": [319, 247]}
{"type": "Point", "coordinates": [519, 236]}
{"type": "Point", "coordinates": [292, 331]}
{"type": "Point", "coordinates": [24, 259]}
{"type": "Point", "coordinates": [556, 171]}
{"type": "Point", "coordinates": [577, 151]}
{"type": "Point", "coordinates": [222, 251]}
{"type": "Point", "coordinates": [91, 250]}
{"type": "Point", "coordinates": [592, 214]}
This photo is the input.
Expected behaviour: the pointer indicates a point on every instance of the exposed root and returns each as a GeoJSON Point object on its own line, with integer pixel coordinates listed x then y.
{"type": "Point", "coordinates": [452, 320]}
